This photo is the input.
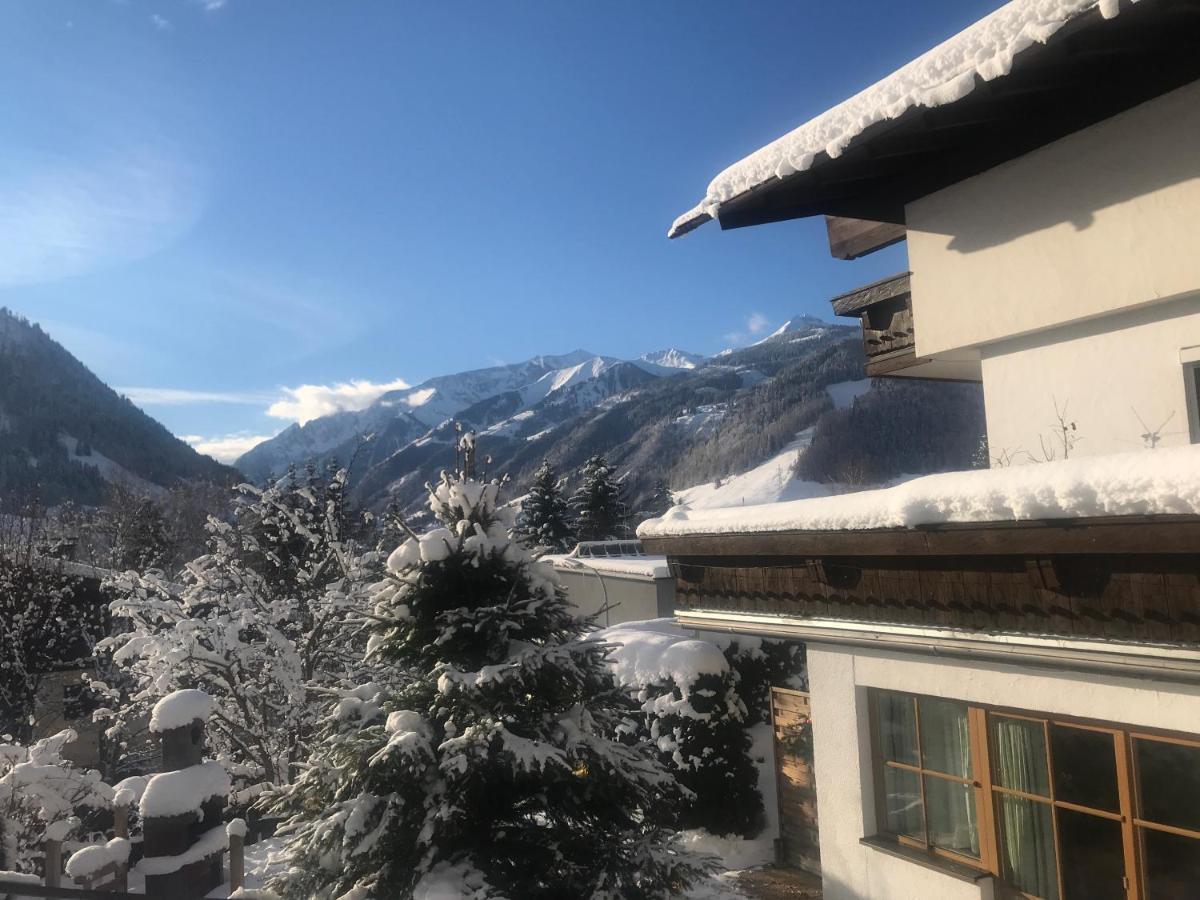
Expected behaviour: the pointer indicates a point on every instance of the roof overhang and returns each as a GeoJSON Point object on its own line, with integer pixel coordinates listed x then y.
{"type": "Point", "coordinates": [1089, 70]}
{"type": "Point", "coordinates": [1158, 535]}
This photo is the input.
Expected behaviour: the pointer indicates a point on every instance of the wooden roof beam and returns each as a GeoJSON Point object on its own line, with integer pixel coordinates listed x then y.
{"type": "Point", "coordinates": [852, 238]}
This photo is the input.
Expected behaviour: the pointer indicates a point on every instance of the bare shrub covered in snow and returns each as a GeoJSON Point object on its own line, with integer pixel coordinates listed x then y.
{"type": "Point", "coordinates": [40, 790]}
{"type": "Point", "coordinates": [490, 769]}
{"type": "Point", "coordinates": [265, 623]}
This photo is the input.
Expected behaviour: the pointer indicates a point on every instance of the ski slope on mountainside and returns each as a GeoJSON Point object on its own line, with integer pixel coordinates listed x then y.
{"type": "Point", "coordinates": [770, 482]}
{"type": "Point", "coordinates": [773, 480]}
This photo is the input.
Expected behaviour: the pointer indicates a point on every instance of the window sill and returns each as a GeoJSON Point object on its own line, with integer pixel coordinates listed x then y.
{"type": "Point", "coordinates": [926, 860]}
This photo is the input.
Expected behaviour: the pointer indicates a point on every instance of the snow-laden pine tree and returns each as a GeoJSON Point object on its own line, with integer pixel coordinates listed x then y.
{"type": "Point", "coordinates": [486, 771]}
{"type": "Point", "coordinates": [598, 505]}
{"type": "Point", "coordinates": [544, 523]}
{"type": "Point", "coordinates": [264, 622]}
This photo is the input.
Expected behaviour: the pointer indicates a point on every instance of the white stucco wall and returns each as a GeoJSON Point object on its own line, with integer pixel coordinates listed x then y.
{"type": "Point", "coordinates": [1102, 220]}
{"type": "Point", "coordinates": [632, 598]}
{"type": "Point", "coordinates": [839, 679]}
{"type": "Point", "coordinates": [1105, 374]}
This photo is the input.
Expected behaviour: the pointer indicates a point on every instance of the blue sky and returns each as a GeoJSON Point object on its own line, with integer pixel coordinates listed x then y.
{"type": "Point", "coordinates": [242, 212]}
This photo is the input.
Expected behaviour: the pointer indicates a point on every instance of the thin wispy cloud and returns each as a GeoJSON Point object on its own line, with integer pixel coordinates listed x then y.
{"type": "Point", "coordinates": [756, 324]}
{"type": "Point", "coordinates": [153, 396]}
{"type": "Point", "coordinates": [226, 448]}
{"type": "Point", "coordinates": [299, 309]}
{"type": "Point", "coordinates": [60, 217]}
{"type": "Point", "coordinates": [311, 401]}
{"type": "Point", "coordinates": [211, 5]}
{"type": "Point", "coordinates": [161, 23]}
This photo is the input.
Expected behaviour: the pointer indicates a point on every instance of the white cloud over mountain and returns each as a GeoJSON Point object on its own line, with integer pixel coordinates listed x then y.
{"type": "Point", "coordinates": [226, 448]}
{"type": "Point", "coordinates": [311, 401]}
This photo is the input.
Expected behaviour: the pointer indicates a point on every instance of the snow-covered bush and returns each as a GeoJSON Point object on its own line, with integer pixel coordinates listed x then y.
{"type": "Point", "coordinates": [265, 623]}
{"type": "Point", "coordinates": [40, 791]}
{"type": "Point", "coordinates": [490, 766]}
{"type": "Point", "coordinates": [758, 665]}
{"type": "Point", "coordinates": [687, 704]}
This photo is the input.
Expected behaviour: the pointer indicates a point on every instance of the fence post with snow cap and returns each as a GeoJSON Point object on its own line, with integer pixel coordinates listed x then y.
{"type": "Point", "coordinates": [236, 830]}
{"type": "Point", "coordinates": [183, 835]}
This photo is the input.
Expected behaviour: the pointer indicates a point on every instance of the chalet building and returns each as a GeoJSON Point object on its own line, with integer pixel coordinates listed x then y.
{"type": "Point", "coordinates": [1004, 664]}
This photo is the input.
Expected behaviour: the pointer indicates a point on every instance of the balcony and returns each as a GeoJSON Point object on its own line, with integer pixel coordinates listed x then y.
{"type": "Point", "coordinates": [885, 309]}
{"type": "Point", "coordinates": [889, 334]}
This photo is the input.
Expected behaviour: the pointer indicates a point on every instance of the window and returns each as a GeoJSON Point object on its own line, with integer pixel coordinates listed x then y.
{"type": "Point", "coordinates": [930, 798]}
{"type": "Point", "coordinates": [1191, 374]}
{"type": "Point", "coordinates": [1058, 809]}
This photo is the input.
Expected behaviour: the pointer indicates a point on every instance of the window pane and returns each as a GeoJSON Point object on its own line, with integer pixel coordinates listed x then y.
{"type": "Point", "coordinates": [1085, 767]}
{"type": "Point", "coordinates": [945, 737]}
{"type": "Point", "coordinates": [1019, 755]}
{"type": "Point", "coordinates": [897, 728]}
{"type": "Point", "coordinates": [902, 803]}
{"type": "Point", "coordinates": [1172, 865]}
{"type": "Point", "coordinates": [1093, 857]}
{"type": "Point", "coordinates": [953, 824]}
{"type": "Point", "coordinates": [1027, 846]}
{"type": "Point", "coordinates": [1169, 783]}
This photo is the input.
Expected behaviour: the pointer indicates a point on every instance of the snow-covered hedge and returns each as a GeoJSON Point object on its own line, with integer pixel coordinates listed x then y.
{"type": "Point", "coordinates": [690, 708]}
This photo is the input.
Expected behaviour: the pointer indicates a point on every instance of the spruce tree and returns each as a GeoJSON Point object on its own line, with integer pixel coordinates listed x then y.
{"type": "Point", "coordinates": [661, 499]}
{"type": "Point", "coordinates": [480, 759]}
{"type": "Point", "coordinates": [699, 725]}
{"type": "Point", "coordinates": [544, 520]}
{"type": "Point", "coordinates": [598, 504]}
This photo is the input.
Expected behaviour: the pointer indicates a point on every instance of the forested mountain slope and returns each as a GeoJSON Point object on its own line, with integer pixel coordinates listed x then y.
{"type": "Point", "coordinates": [65, 435]}
{"type": "Point", "coordinates": [724, 416]}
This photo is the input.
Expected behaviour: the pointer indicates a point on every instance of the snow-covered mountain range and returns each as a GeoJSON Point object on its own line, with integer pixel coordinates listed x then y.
{"type": "Point", "coordinates": [501, 398]}
{"type": "Point", "coordinates": [670, 416]}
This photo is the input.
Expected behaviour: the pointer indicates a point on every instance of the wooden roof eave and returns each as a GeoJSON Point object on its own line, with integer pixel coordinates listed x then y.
{"type": "Point", "coordinates": [1082, 75]}
{"type": "Point", "coordinates": [1155, 535]}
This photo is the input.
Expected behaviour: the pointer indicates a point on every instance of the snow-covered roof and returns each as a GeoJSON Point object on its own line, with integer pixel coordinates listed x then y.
{"type": "Point", "coordinates": [635, 566]}
{"type": "Point", "coordinates": [939, 77]}
{"type": "Point", "coordinates": [1146, 482]}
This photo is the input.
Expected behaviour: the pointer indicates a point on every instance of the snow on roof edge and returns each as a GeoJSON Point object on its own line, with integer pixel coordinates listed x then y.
{"type": "Point", "coordinates": [649, 567]}
{"type": "Point", "coordinates": [1145, 482]}
{"type": "Point", "coordinates": [939, 77]}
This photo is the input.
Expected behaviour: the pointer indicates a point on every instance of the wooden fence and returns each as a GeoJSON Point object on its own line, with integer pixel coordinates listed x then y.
{"type": "Point", "coordinates": [110, 883]}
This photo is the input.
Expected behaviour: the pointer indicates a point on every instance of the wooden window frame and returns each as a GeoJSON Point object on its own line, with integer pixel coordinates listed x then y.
{"type": "Point", "coordinates": [1138, 824]}
{"type": "Point", "coordinates": [979, 720]}
{"type": "Point", "coordinates": [983, 817]}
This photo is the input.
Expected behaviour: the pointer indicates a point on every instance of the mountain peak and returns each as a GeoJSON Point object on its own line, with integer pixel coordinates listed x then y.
{"type": "Point", "coordinates": [797, 323]}
{"type": "Point", "coordinates": [672, 358]}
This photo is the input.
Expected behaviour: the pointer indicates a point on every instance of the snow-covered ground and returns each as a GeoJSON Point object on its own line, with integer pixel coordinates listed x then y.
{"type": "Point", "coordinates": [263, 860]}
{"type": "Point", "coordinates": [770, 482]}
{"type": "Point", "coordinates": [844, 393]}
